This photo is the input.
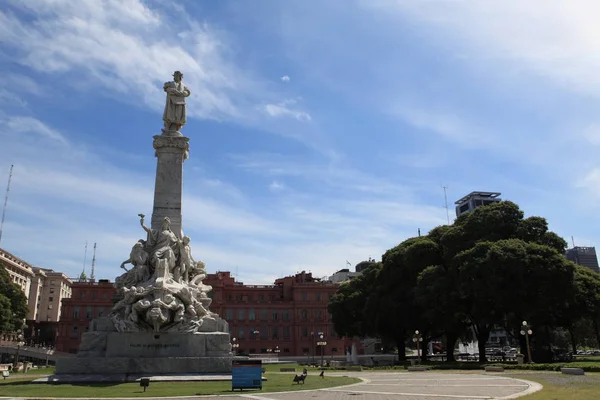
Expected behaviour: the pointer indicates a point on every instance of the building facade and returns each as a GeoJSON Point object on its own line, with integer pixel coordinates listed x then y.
{"type": "Point", "coordinates": [89, 300]}
{"type": "Point", "coordinates": [20, 271]}
{"type": "Point", "coordinates": [289, 318]}
{"type": "Point", "coordinates": [584, 256]}
{"type": "Point", "coordinates": [286, 319]}
{"type": "Point", "coordinates": [474, 200]}
{"type": "Point", "coordinates": [48, 289]}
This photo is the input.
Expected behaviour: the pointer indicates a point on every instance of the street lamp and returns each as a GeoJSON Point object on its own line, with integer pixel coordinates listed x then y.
{"type": "Point", "coordinates": [526, 331]}
{"type": "Point", "coordinates": [277, 351]}
{"type": "Point", "coordinates": [417, 338]}
{"type": "Point", "coordinates": [19, 344]}
{"type": "Point", "coordinates": [234, 345]}
{"type": "Point", "coordinates": [322, 343]}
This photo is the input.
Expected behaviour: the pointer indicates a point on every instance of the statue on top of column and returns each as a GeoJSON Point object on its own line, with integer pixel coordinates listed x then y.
{"type": "Point", "coordinates": [175, 115]}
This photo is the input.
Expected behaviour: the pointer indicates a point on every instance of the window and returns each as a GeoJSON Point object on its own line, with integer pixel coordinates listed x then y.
{"type": "Point", "coordinates": [304, 331]}
{"type": "Point", "coordinates": [88, 312]}
{"type": "Point", "coordinates": [105, 296]}
{"type": "Point", "coordinates": [304, 296]}
{"type": "Point", "coordinates": [50, 299]}
{"type": "Point", "coordinates": [251, 314]}
{"type": "Point", "coordinates": [94, 295]}
{"type": "Point", "coordinates": [251, 333]}
{"type": "Point", "coordinates": [263, 314]}
{"type": "Point", "coordinates": [241, 314]}
{"type": "Point", "coordinates": [249, 298]}
{"type": "Point", "coordinates": [286, 332]}
{"type": "Point", "coordinates": [305, 350]}
{"type": "Point", "coordinates": [229, 297]}
{"type": "Point", "coordinates": [264, 333]}
{"type": "Point", "coordinates": [275, 333]}
{"type": "Point", "coordinates": [51, 290]}
{"type": "Point", "coordinates": [318, 296]}
{"type": "Point", "coordinates": [75, 332]}
{"type": "Point", "coordinates": [319, 314]}
{"type": "Point", "coordinates": [238, 297]}
{"type": "Point", "coordinates": [82, 295]}
{"type": "Point", "coordinates": [304, 315]}
{"type": "Point", "coordinates": [285, 315]}
{"type": "Point", "coordinates": [49, 306]}
{"type": "Point", "coordinates": [261, 297]}
{"type": "Point", "coordinates": [100, 311]}
{"type": "Point", "coordinates": [274, 315]}
{"type": "Point", "coordinates": [241, 333]}
{"type": "Point", "coordinates": [229, 314]}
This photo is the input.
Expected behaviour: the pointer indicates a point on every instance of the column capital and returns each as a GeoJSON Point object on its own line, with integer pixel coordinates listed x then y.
{"type": "Point", "coordinates": [180, 143]}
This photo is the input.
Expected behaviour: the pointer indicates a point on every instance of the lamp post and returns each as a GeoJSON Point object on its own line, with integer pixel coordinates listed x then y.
{"type": "Point", "coordinates": [234, 345]}
{"type": "Point", "coordinates": [417, 338]}
{"type": "Point", "coordinates": [19, 343]}
{"type": "Point", "coordinates": [322, 343]}
{"type": "Point", "coordinates": [277, 351]}
{"type": "Point", "coordinates": [526, 331]}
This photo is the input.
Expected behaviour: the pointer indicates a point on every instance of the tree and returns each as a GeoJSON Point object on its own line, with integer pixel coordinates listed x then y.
{"type": "Point", "coordinates": [348, 305]}
{"type": "Point", "coordinates": [17, 300]}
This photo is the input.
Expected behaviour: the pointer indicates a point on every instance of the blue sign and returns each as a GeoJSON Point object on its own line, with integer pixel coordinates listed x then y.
{"type": "Point", "coordinates": [246, 374]}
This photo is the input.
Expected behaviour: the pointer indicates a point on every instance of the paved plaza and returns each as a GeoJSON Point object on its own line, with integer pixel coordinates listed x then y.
{"type": "Point", "coordinates": [404, 386]}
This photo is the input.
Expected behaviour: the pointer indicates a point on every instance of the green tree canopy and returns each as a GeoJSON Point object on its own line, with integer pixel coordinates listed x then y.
{"type": "Point", "coordinates": [12, 320]}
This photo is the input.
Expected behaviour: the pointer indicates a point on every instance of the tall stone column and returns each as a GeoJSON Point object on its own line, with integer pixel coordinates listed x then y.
{"type": "Point", "coordinates": [171, 151]}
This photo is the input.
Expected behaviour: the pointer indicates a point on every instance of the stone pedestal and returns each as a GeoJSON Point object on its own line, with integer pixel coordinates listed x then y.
{"type": "Point", "coordinates": [103, 352]}
{"type": "Point", "coordinates": [171, 151]}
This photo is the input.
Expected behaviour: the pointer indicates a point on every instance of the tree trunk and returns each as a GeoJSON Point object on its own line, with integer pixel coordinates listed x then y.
{"type": "Point", "coordinates": [597, 331]}
{"type": "Point", "coordinates": [451, 339]}
{"type": "Point", "coordinates": [401, 348]}
{"type": "Point", "coordinates": [483, 333]}
{"type": "Point", "coordinates": [573, 340]}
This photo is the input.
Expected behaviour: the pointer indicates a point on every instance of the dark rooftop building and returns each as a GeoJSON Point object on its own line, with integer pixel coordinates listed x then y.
{"type": "Point", "coordinates": [474, 200]}
{"type": "Point", "coordinates": [584, 256]}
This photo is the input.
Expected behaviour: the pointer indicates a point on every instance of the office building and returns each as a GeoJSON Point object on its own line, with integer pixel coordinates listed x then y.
{"type": "Point", "coordinates": [474, 200]}
{"type": "Point", "coordinates": [20, 271]}
{"type": "Point", "coordinates": [584, 256]}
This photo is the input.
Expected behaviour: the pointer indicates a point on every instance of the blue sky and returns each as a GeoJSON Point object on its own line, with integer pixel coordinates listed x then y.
{"type": "Point", "coordinates": [321, 131]}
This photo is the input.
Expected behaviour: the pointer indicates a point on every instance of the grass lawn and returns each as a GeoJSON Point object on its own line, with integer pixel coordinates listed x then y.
{"type": "Point", "coordinates": [22, 387]}
{"type": "Point", "coordinates": [559, 387]}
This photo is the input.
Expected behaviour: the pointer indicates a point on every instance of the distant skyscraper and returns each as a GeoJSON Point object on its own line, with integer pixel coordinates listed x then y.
{"type": "Point", "coordinates": [584, 256]}
{"type": "Point", "coordinates": [474, 200]}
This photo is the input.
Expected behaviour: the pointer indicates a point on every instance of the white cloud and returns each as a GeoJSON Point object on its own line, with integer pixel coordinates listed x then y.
{"type": "Point", "coordinates": [553, 39]}
{"type": "Point", "coordinates": [285, 78]}
{"type": "Point", "coordinates": [20, 124]}
{"type": "Point", "coordinates": [128, 50]}
{"type": "Point", "coordinates": [276, 186]}
{"type": "Point", "coordinates": [592, 134]}
{"type": "Point", "coordinates": [446, 125]}
{"type": "Point", "coordinates": [283, 109]}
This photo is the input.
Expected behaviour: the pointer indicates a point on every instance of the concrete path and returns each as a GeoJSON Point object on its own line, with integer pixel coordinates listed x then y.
{"type": "Point", "coordinates": [403, 386]}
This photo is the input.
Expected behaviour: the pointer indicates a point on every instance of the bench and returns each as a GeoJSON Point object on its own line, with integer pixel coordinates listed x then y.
{"type": "Point", "coordinates": [572, 371]}
{"type": "Point", "coordinates": [287, 369]}
{"type": "Point", "coordinates": [492, 368]}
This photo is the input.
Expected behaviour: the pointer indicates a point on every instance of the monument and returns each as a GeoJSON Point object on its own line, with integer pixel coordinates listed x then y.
{"type": "Point", "coordinates": [161, 323]}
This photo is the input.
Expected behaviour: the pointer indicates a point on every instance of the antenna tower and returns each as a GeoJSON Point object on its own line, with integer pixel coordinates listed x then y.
{"type": "Point", "coordinates": [573, 240]}
{"type": "Point", "coordinates": [92, 277]}
{"type": "Point", "coordinates": [5, 201]}
{"type": "Point", "coordinates": [446, 203]}
{"type": "Point", "coordinates": [82, 277]}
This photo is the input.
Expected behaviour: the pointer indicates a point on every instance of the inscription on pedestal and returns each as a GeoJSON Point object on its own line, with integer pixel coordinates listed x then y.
{"type": "Point", "coordinates": [149, 345]}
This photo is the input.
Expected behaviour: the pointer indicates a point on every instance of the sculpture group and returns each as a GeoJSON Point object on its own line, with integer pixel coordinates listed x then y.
{"type": "Point", "coordinates": [163, 291]}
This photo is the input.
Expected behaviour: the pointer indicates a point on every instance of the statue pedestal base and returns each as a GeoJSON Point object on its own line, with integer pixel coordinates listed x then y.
{"type": "Point", "coordinates": [132, 365]}
{"type": "Point", "coordinates": [104, 352]}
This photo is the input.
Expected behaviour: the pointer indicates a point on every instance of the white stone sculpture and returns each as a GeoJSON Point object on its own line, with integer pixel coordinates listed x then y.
{"type": "Point", "coordinates": [175, 114]}
{"type": "Point", "coordinates": [163, 292]}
